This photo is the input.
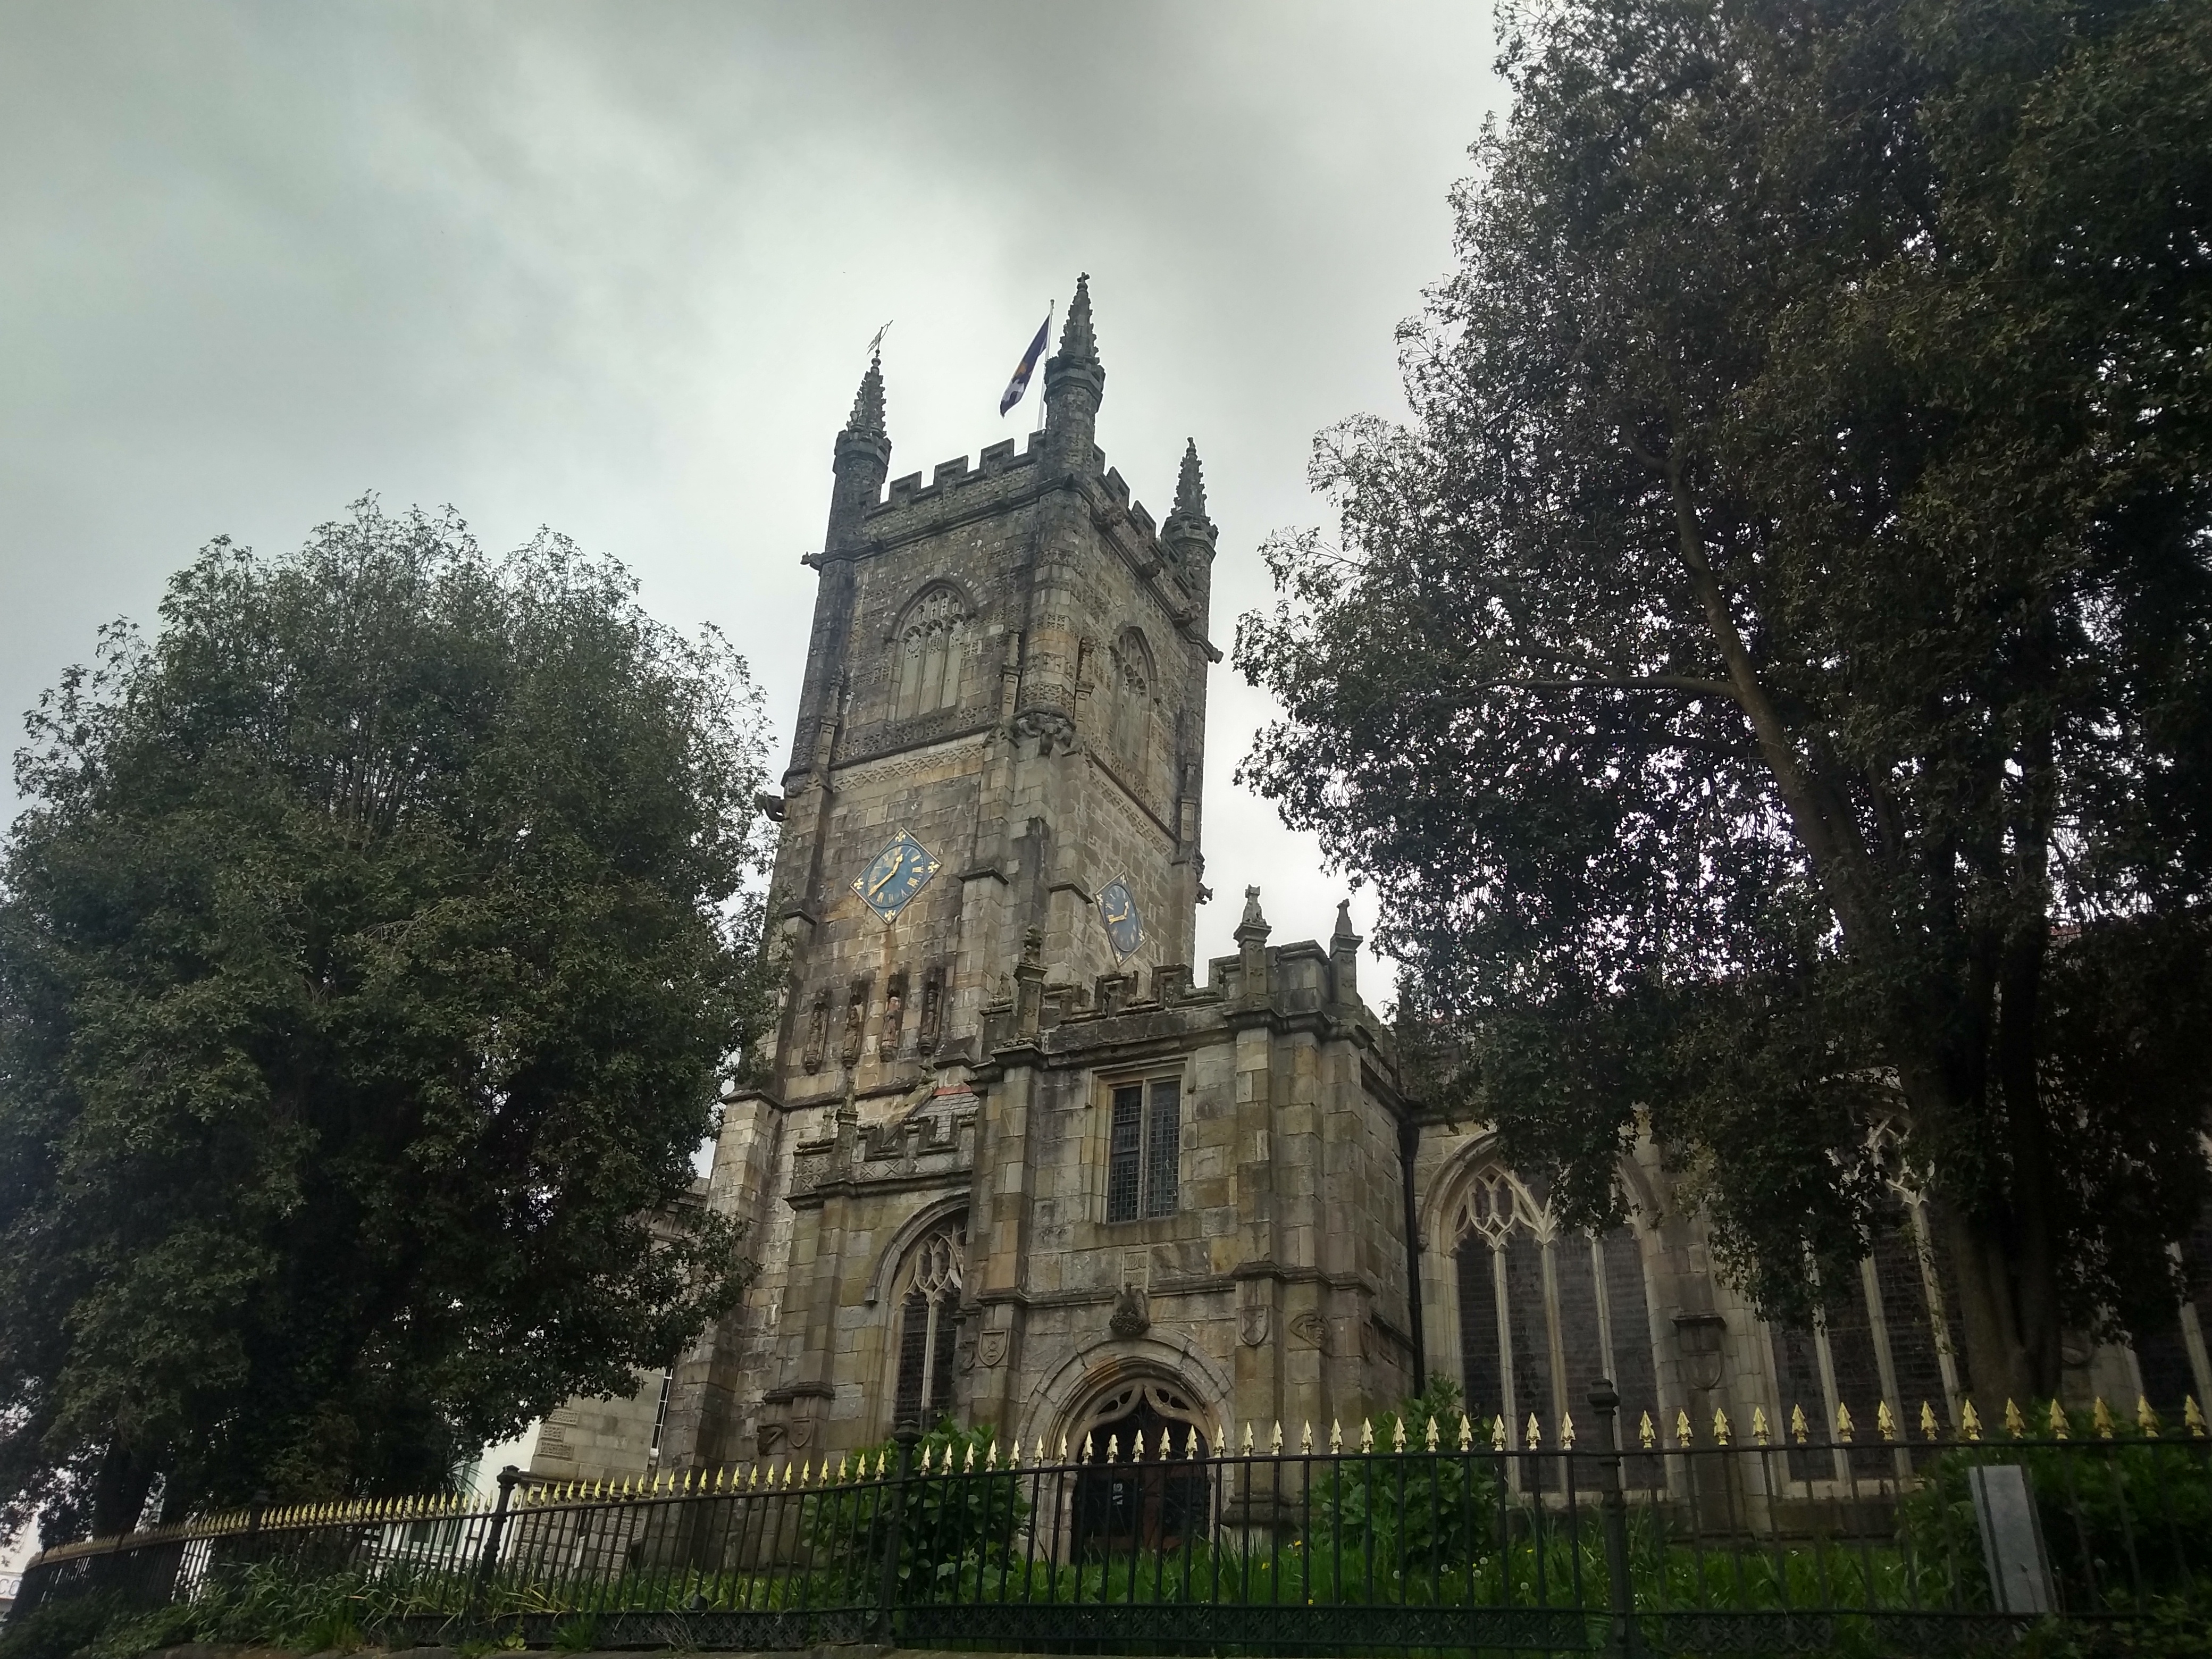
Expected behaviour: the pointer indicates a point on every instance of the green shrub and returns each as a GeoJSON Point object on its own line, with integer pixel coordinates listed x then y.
{"type": "Point", "coordinates": [1418, 1512]}
{"type": "Point", "coordinates": [972, 1521]}
{"type": "Point", "coordinates": [2118, 1514]}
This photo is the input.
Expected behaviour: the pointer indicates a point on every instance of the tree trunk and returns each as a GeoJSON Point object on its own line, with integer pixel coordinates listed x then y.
{"type": "Point", "coordinates": [118, 1490]}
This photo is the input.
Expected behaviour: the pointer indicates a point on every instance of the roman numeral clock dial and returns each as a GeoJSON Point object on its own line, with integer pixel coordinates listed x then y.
{"type": "Point", "coordinates": [895, 875]}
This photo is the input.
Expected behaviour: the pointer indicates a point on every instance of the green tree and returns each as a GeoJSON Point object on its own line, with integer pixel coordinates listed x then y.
{"type": "Point", "coordinates": [371, 952]}
{"type": "Point", "coordinates": [1767, 680]}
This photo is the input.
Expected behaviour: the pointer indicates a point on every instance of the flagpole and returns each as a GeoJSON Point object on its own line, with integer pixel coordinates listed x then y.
{"type": "Point", "coordinates": [1051, 308]}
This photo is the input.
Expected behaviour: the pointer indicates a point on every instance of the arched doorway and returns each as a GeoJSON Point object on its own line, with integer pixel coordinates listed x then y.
{"type": "Point", "coordinates": [1153, 1494]}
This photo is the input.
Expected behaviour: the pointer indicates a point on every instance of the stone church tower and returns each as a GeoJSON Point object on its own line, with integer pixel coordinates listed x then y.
{"type": "Point", "coordinates": [1012, 1164]}
{"type": "Point", "coordinates": [1015, 1163]}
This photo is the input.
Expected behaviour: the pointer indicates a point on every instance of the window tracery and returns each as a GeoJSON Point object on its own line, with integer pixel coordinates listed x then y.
{"type": "Point", "coordinates": [932, 653]}
{"type": "Point", "coordinates": [929, 1324]}
{"type": "Point", "coordinates": [1544, 1310]}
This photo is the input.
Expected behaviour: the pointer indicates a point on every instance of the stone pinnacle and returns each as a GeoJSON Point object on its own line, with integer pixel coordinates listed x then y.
{"type": "Point", "coordinates": [1076, 342]}
{"type": "Point", "coordinates": [868, 402]}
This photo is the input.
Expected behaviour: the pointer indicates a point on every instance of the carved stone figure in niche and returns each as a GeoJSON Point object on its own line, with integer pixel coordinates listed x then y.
{"type": "Point", "coordinates": [887, 1044]}
{"type": "Point", "coordinates": [932, 993]}
{"type": "Point", "coordinates": [818, 1033]}
{"type": "Point", "coordinates": [856, 1009]}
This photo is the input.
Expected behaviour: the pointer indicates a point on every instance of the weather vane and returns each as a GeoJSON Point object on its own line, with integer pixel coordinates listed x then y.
{"type": "Point", "coordinates": [876, 345]}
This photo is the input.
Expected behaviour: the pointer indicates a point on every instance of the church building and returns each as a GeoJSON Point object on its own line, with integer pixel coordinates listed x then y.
{"type": "Point", "coordinates": [1016, 1161]}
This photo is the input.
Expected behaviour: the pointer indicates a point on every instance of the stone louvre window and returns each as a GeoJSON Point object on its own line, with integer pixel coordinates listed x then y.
{"type": "Point", "coordinates": [1144, 1149]}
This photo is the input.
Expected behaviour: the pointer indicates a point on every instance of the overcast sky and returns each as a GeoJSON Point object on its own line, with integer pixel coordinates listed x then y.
{"type": "Point", "coordinates": [613, 268]}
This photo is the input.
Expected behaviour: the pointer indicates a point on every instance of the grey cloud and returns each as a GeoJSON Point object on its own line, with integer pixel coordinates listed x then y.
{"type": "Point", "coordinates": [611, 267]}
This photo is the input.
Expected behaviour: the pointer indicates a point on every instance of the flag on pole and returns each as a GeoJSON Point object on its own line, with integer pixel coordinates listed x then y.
{"type": "Point", "coordinates": [1026, 367]}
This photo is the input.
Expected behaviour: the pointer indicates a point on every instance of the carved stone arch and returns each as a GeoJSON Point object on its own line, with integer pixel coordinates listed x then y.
{"type": "Point", "coordinates": [929, 650]}
{"type": "Point", "coordinates": [909, 1233]}
{"type": "Point", "coordinates": [1098, 1372]}
{"type": "Point", "coordinates": [911, 611]}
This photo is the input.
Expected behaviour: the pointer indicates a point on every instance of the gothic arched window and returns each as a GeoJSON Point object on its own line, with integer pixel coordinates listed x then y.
{"type": "Point", "coordinates": [1544, 1311]}
{"type": "Point", "coordinates": [929, 1324]}
{"type": "Point", "coordinates": [932, 654]}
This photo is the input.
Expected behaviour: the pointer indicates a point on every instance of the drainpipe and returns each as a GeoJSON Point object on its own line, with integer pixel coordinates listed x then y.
{"type": "Point", "coordinates": [1409, 1146]}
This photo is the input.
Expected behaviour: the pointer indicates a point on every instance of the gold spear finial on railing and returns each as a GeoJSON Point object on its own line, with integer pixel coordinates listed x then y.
{"type": "Point", "coordinates": [1063, 1448]}
{"type": "Point", "coordinates": [1465, 1432]}
{"type": "Point", "coordinates": [1090, 1450]}
{"type": "Point", "coordinates": [1682, 1428]}
{"type": "Point", "coordinates": [1884, 1424]}
{"type": "Point", "coordinates": [1275, 1440]}
{"type": "Point", "coordinates": [2100, 1418]}
{"type": "Point", "coordinates": [1335, 1435]}
{"type": "Point", "coordinates": [1306, 1437]}
{"type": "Point", "coordinates": [1190, 1443]}
{"type": "Point", "coordinates": [1720, 1427]}
{"type": "Point", "coordinates": [1113, 1447]}
{"type": "Point", "coordinates": [752, 1477]}
{"type": "Point", "coordinates": [2015, 1424]}
{"type": "Point", "coordinates": [1498, 1433]}
{"type": "Point", "coordinates": [991, 1455]}
{"type": "Point", "coordinates": [1367, 1434]}
{"type": "Point", "coordinates": [1843, 1422]}
{"type": "Point", "coordinates": [1431, 1441]}
{"type": "Point", "coordinates": [1929, 1428]}
{"type": "Point", "coordinates": [786, 1474]}
{"type": "Point", "coordinates": [1247, 1438]}
{"type": "Point", "coordinates": [1532, 1436]}
{"type": "Point", "coordinates": [1800, 1430]}
{"type": "Point", "coordinates": [2192, 1417]}
{"type": "Point", "coordinates": [968, 1465]}
{"type": "Point", "coordinates": [1647, 1433]}
{"type": "Point", "coordinates": [1970, 1422]}
{"type": "Point", "coordinates": [1566, 1430]}
{"type": "Point", "coordinates": [2060, 1428]}
{"type": "Point", "coordinates": [2146, 1418]}
{"type": "Point", "coordinates": [1398, 1434]}
{"type": "Point", "coordinates": [1758, 1427]}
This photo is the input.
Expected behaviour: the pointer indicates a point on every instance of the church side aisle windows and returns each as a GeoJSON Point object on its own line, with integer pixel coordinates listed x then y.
{"type": "Point", "coordinates": [929, 1326]}
{"type": "Point", "coordinates": [933, 655]}
{"type": "Point", "coordinates": [1544, 1311]}
{"type": "Point", "coordinates": [1144, 1149]}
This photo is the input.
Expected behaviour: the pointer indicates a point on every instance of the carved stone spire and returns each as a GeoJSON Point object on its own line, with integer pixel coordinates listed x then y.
{"type": "Point", "coordinates": [1078, 344]}
{"type": "Point", "coordinates": [868, 402]}
{"type": "Point", "coordinates": [863, 460]}
{"type": "Point", "coordinates": [1188, 535]}
{"type": "Point", "coordinates": [1074, 381]}
{"type": "Point", "coordinates": [1190, 484]}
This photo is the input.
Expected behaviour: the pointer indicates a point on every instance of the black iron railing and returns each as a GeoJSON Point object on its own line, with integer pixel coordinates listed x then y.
{"type": "Point", "coordinates": [1454, 1536]}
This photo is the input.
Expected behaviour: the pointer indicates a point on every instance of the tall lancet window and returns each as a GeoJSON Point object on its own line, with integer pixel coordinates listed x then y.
{"type": "Point", "coordinates": [932, 654]}
{"type": "Point", "coordinates": [929, 1324]}
{"type": "Point", "coordinates": [1543, 1310]}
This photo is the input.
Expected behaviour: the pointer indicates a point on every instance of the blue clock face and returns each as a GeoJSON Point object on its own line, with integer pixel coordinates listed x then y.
{"type": "Point", "coordinates": [1117, 908]}
{"type": "Point", "coordinates": [895, 875]}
